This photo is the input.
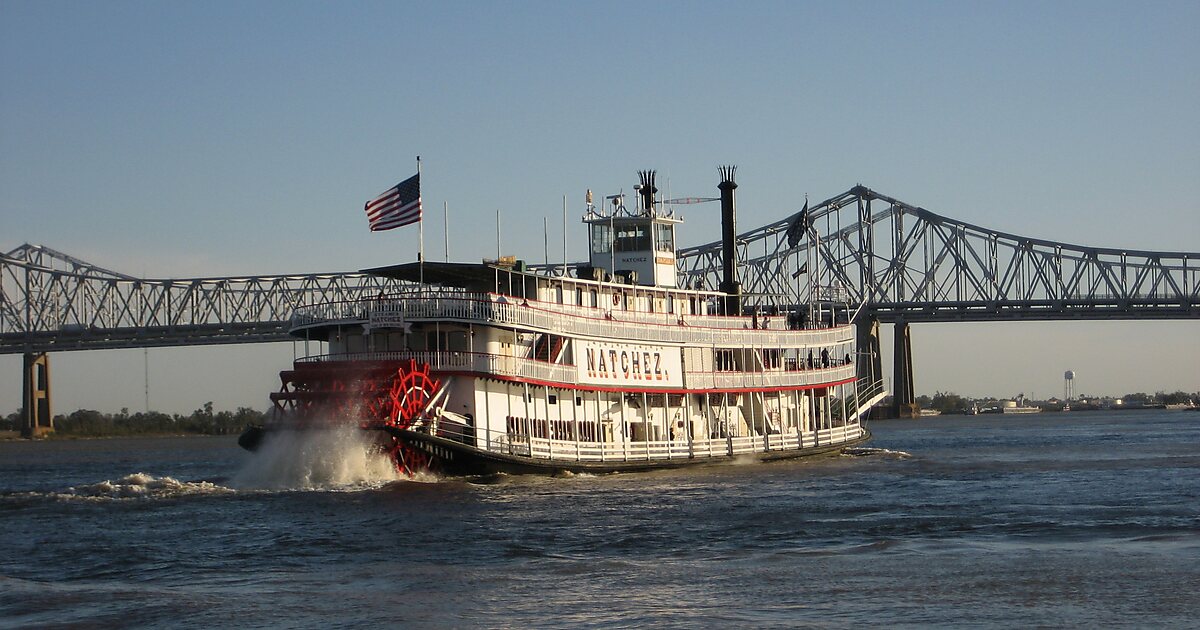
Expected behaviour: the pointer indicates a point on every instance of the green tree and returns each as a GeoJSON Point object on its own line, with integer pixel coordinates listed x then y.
{"type": "Point", "coordinates": [947, 402]}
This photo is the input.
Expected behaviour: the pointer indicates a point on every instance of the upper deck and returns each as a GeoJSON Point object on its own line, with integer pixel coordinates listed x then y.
{"type": "Point", "coordinates": [574, 307]}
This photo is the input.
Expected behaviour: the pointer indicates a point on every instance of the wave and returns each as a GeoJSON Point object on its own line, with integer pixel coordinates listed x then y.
{"type": "Point", "coordinates": [135, 486]}
{"type": "Point", "coordinates": [863, 451]}
{"type": "Point", "coordinates": [340, 460]}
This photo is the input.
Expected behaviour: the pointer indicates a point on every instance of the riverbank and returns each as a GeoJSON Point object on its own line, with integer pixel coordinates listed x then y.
{"type": "Point", "coordinates": [15, 436]}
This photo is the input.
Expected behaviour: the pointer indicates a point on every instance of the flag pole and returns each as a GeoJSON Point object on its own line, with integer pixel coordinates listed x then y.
{"type": "Point", "coordinates": [420, 233]}
{"type": "Point", "coordinates": [564, 271]}
{"type": "Point", "coordinates": [446, 228]}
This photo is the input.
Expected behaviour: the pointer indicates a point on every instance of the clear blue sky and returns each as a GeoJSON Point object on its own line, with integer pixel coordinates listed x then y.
{"type": "Point", "coordinates": [200, 139]}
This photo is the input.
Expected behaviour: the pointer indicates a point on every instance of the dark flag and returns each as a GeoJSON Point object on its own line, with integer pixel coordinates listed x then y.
{"type": "Point", "coordinates": [397, 207]}
{"type": "Point", "coordinates": [799, 227]}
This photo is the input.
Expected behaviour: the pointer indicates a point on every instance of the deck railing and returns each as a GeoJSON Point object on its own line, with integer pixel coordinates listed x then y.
{"type": "Point", "coordinates": [658, 450]}
{"type": "Point", "coordinates": [569, 319]}
{"type": "Point", "coordinates": [477, 362]}
{"type": "Point", "coordinates": [518, 367]}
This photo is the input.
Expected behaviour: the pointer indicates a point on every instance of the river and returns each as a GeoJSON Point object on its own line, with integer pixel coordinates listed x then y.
{"type": "Point", "coordinates": [1070, 519]}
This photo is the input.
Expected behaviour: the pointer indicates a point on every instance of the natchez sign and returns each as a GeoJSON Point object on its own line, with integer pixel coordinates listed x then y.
{"type": "Point", "coordinates": [603, 363]}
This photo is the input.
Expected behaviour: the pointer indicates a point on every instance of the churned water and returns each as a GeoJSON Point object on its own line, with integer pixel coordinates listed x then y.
{"type": "Point", "coordinates": [1052, 520]}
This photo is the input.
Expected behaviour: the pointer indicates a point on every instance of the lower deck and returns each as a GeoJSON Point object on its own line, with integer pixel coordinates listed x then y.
{"type": "Point", "coordinates": [538, 426]}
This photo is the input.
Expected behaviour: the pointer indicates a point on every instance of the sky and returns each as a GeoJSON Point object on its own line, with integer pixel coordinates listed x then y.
{"type": "Point", "coordinates": [194, 139]}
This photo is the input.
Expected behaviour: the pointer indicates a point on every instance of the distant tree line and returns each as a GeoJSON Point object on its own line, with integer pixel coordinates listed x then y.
{"type": "Point", "coordinates": [203, 421]}
{"type": "Point", "coordinates": [951, 403]}
{"type": "Point", "coordinates": [1161, 398]}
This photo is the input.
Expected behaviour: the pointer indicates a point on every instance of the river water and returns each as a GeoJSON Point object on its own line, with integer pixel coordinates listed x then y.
{"type": "Point", "coordinates": [1051, 520]}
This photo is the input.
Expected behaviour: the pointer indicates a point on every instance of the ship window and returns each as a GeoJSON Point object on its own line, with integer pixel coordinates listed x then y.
{"type": "Point", "coordinates": [724, 362]}
{"type": "Point", "coordinates": [771, 359]}
{"type": "Point", "coordinates": [664, 237]}
{"type": "Point", "coordinates": [632, 238]}
{"type": "Point", "coordinates": [553, 399]}
{"type": "Point", "coordinates": [601, 238]}
{"type": "Point", "coordinates": [578, 401]}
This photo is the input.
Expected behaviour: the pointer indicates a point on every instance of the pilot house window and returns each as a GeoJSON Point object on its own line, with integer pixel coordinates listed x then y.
{"type": "Point", "coordinates": [664, 237]}
{"type": "Point", "coordinates": [632, 238]}
{"type": "Point", "coordinates": [601, 237]}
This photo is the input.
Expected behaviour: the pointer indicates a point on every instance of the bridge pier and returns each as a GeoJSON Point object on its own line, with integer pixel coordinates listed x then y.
{"type": "Point", "coordinates": [38, 419]}
{"type": "Point", "coordinates": [870, 361]}
{"type": "Point", "coordinates": [904, 401]}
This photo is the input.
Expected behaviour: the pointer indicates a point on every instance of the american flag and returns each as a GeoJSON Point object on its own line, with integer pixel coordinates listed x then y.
{"type": "Point", "coordinates": [399, 206]}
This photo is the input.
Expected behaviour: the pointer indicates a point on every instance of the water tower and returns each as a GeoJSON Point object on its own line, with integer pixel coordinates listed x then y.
{"type": "Point", "coordinates": [1068, 385]}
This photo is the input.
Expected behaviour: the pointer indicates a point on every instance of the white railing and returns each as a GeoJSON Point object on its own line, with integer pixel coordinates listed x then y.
{"type": "Point", "coordinates": [573, 320]}
{"type": "Point", "coordinates": [521, 367]}
{"type": "Point", "coordinates": [768, 379]}
{"type": "Point", "coordinates": [479, 362]}
{"type": "Point", "coordinates": [539, 448]}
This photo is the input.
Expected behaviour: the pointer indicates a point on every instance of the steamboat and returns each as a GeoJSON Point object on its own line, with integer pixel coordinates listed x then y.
{"type": "Point", "coordinates": [479, 368]}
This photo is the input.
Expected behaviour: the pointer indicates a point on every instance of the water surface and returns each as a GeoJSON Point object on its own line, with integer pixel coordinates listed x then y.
{"type": "Point", "coordinates": [1058, 520]}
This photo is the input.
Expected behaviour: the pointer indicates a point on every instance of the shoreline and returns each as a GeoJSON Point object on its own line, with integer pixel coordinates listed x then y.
{"type": "Point", "coordinates": [15, 436]}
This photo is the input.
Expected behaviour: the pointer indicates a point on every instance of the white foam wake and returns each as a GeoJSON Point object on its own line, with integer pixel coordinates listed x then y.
{"type": "Point", "coordinates": [141, 485]}
{"type": "Point", "coordinates": [345, 458]}
{"type": "Point", "coordinates": [860, 451]}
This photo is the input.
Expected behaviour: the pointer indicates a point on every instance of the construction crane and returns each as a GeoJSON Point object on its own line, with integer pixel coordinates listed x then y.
{"type": "Point", "coordinates": [686, 200]}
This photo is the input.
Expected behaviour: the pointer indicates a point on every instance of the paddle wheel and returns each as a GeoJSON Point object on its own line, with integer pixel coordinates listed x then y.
{"type": "Point", "coordinates": [380, 395]}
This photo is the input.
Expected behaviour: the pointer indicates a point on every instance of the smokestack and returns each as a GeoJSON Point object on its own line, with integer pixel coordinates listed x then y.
{"type": "Point", "coordinates": [647, 190]}
{"type": "Point", "coordinates": [729, 279]}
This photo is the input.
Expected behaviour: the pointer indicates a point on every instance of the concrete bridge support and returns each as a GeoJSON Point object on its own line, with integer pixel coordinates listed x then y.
{"type": "Point", "coordinates": [870, 361]}
{"type": "Point", "coordinates": [38, 418]}
{"type": "Point", "coordinates": [904, 400]}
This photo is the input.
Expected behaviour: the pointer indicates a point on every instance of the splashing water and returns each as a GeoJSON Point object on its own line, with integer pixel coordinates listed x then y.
{"type": "Point", "coordinates": [140, 486]}
{"type": "Point", "coordinates": [340, 458]}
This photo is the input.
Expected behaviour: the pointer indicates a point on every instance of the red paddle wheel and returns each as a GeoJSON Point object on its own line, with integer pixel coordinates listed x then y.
{"type": "Point", "coordinates": [372, 394]}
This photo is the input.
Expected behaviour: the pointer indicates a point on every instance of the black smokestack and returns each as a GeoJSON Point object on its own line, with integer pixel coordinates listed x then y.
{"type": "Point", "coordinates": [647, 190]}
{"type": "Point", "coordinates": [729, 279]}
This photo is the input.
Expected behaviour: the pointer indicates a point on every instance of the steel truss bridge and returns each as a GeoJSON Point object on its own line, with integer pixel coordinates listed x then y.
{"type": "Point", "coordinates": [904, 263]}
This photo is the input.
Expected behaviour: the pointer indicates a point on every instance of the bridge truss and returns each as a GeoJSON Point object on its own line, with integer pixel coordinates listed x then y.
{"type": "Point", "coordinates": [50, 301]}
{"type": "Point", "coordinates": [904, 264]}
{"type": "Point", "coordinates": [907, 263]}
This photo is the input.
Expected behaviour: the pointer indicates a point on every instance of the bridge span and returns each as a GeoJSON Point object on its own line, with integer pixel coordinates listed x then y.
{"type": "Point", "coordinates": [904, 263]}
